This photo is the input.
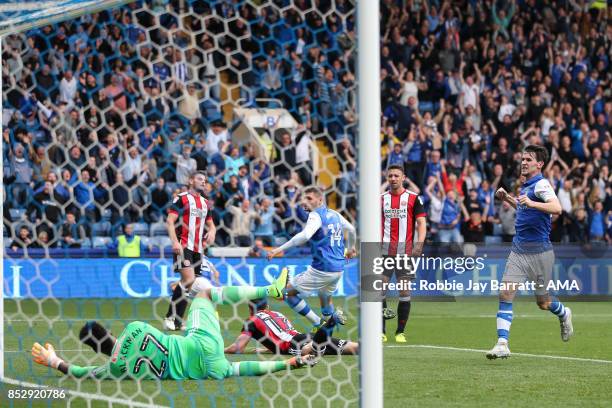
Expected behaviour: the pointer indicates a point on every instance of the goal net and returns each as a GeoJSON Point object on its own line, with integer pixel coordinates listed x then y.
{"type": "Point", "coordinates": [104, 116]}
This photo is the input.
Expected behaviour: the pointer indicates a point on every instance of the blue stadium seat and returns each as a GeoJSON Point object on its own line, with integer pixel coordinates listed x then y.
{"type": "Point", "coordinates": [16, 213]}
{"type": "Point", "coordinates": [106, 215]}
{"type": "Point", "coordinates": [159, 229]}
{"type": "Point", "coordinates": [172, 186]}
{"type": "Point", "coordinates": [140, 228]}
{"type": "Point", "coordinates": [497, 229]}
{"type": "Point", "coordinates": [146, 241]}
{"type": "Point", "coordinates": [101, 242]}
{"type": "Point", "coordinates": [86, 243]}
{"type": "Point", "coordinates": [163, 243]}
{"type": "Point", "coordinates": [102, 228]}
{"type": "Point", "coordinates": [493, 240]}
{"type": "Point", "coordinates": [278, 241]}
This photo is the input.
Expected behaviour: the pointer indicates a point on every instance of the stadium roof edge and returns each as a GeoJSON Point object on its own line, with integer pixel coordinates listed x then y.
{"type": "Point", "coordinates": [20, 16]}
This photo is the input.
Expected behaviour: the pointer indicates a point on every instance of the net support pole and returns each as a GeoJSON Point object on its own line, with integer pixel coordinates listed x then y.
{"type": "Point", "coordinates": [369, 165]}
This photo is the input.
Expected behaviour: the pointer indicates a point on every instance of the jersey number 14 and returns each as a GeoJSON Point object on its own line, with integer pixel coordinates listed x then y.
{"type": "Point", "coordinates": [335, 235]}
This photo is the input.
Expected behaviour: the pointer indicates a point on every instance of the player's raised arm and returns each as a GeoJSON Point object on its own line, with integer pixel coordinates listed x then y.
{"type": "Point", "coordinates": [312, 225]}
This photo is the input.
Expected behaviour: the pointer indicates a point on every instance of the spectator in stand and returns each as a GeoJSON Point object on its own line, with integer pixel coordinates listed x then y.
{"type": "Point", "coordinates": [243, 218]}
{"type": "Point", "coordinates": [87, 195]}
{"type": "Point", "coordinates": [185, 165]}
{"type": "Point", "coordinates": [42, 241]}
{"type": "Point", "coordinates": [264, 230]}
{"type": "Point", "coordinates": [449, 221]}
{"type": "Point", "coordinates": [258, 250]}
{"type": "Point", "coordinates": [72, 234]}
{"type": "Point", "coordinates": [21, 168]}
{"type": "Point", "coordinates": [128, 244]}
{"type": "Point", "coordinates": [161, 197]}
{"type": "Point", "coordinates": [23, 241]}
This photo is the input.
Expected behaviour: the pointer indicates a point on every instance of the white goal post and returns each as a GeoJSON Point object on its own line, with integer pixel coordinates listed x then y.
{"type": "Point", "coordinates": [369, 164]}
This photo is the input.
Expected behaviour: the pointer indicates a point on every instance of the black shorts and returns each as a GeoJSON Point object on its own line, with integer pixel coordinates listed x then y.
{"type": "Point", "coordinates": [188, 259]}
{"type": "Point", "coordinates": [334, 347]}
{"type": "Point", "coordinates": [402, 274]}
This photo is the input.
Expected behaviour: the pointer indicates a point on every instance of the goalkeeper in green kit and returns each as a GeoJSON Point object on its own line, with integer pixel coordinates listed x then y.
{"type": "Point", "coordinates": [143, 352]}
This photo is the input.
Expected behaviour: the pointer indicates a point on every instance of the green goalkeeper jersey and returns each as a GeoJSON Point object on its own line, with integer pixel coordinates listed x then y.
{"type": "Point", "coordinates": [144, 352]}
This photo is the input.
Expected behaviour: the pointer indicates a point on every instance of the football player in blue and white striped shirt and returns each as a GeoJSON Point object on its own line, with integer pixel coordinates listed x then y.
{"type": "Point", "coordinates": [532, 257]}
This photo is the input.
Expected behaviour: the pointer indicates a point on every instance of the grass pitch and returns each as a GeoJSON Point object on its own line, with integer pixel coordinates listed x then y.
{"type": "Point", "coordinates": [442, 365]}
{"type": "Point", "coordinates": [459, 375]}
{"type": "Point", "coordinates": [332, 383]}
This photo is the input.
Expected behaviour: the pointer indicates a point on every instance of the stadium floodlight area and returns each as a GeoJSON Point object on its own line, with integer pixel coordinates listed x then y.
{"type": "Point", "coordinates": [151, 78]}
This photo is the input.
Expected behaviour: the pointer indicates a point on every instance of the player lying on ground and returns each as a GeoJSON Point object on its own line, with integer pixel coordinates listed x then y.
{"type": "Point", "coordinates": [325, 231]}
{"type": "Point", "coordinates": [532, 257]}
{"type": "Point", "coordinates": [143, 352]}
{"type": "Point", "coordinates": [276, 333]}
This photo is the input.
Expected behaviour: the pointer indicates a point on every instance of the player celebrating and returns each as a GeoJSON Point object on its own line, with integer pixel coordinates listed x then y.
{"type": "Point", "coordinates": [276, 333]}
{"type": "Point", "coordinates": [531, 256]}
{"type": "Point", "coordinates": [187, 215]}
{"type": "Point", "coordinates": [325, 231]}
{"type": "Point", "coordinates": [401, 210]}
{"type": "Point", "coordinates": [143, 352]}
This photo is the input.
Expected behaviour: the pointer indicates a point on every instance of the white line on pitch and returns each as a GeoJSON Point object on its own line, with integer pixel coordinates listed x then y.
{"type": "Point", "coordinates": [81, 394]}
{"type": "Point", "coordinates": [590, 360]}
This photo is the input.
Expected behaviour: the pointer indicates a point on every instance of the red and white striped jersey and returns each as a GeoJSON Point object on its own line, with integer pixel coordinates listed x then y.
{"type": "Point", "coordinates": [399, 214]}
{"type": "Point", "coordinates": [193, 212]}
{"type": "Point", "coordinates": [272, 329]}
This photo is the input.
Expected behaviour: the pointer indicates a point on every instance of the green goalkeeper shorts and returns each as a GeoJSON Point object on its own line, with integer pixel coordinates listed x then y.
{"type": "Point", "coordinates": [203, 327]}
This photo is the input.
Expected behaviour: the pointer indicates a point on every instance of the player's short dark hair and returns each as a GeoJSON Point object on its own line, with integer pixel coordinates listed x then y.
{"type": "Point", "coordinates": [396, 167]}
{"type": "Point", "coordinates": [313, 190]}
{"type": "Point", "coordinates": [195, 173]}
{"type": "Point", "coordinates": [97, 337]}
{"type": "Point", "coordinates": [256, 305]}
{"type": "Point", "coordinates": [540, 152]}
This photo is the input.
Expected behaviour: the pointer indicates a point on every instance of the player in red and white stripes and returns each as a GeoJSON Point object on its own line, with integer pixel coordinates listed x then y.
{"type": "Point", "coordinates": [191, 228]}
{"type": "Point", "coordinates": [402, 214]}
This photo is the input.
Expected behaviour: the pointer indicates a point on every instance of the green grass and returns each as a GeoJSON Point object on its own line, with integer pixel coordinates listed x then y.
{"type": "Point", "coordinates": [414, 376]}
{"type": "Point", "coordinates": [334, 382]}
{"type": "Point", "coordinates": [430, 377]}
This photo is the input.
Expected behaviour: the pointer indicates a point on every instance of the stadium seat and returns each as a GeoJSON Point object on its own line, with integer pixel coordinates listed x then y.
{"type": "Point", "coordinates": [163, 243]}
{"type": "Point", "coordinates": [497, 229]}
{"type": "Point", "coordinates": [16, 213]}
{"type": "Point", "coordinates": [172, 186]}
{"type": "Point", "coordinates": [493, 240]}
{"type": "Point", "coordinates": [102, 228]}
{"type": "Point", "coordinates": [101, 242]}
{"type": "Point", "coordinates": [159, 229]}
{"type": "Point", "coordinates": [140, 228]}
{"type": "Point", "coordinates": [106, 215]}
{"type": "Point", "coordinates": [86, 243]}
{"type": "Point", "coordinates": [146, 241]}
{"type": "Point", "coordinates": [278, 241]}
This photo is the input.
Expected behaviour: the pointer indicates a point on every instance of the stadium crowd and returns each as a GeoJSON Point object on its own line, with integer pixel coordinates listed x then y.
{"type": "Point", "coordinates": [106, 116]}
{"type": "Point", "coordinates": [466, 85]}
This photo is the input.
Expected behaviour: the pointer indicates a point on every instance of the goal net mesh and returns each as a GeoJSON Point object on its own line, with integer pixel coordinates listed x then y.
{"type": "Point", "coordinates": [104, 117]}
